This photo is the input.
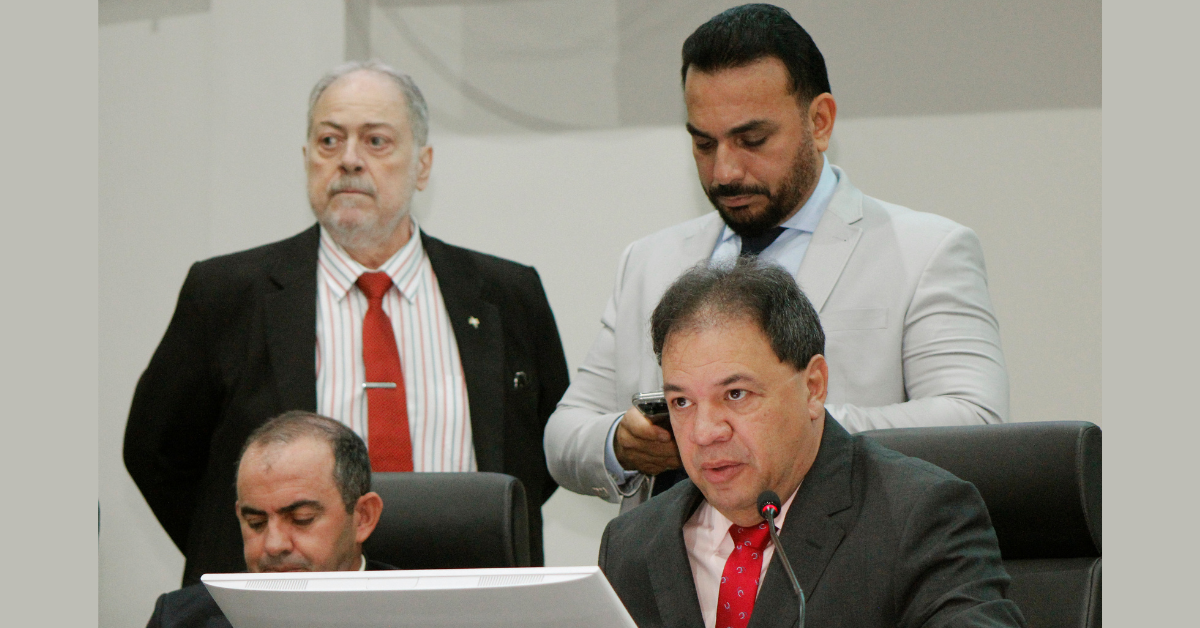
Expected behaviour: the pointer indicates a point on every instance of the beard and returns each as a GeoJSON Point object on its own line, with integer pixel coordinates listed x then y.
{"type": "Point", "coordinates": [351, 221]}
{"type": "Point", "coordinates": [780, 203]}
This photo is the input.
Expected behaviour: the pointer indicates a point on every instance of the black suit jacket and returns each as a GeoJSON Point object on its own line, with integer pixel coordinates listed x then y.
{"type": "Point", "coordinates": [241, 349]}
{"type": "Point", "coordinates": [193, 607]}
{"type": "Point", "coordinates": [875, 539]}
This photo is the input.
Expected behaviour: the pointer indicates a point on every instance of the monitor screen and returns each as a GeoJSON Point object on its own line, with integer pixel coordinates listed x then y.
{"type": "Point", "coordinates": [540, 596]}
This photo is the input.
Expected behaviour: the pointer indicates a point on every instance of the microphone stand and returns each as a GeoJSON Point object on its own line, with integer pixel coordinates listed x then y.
{"type": "Point", "coordinates": [769, 515]}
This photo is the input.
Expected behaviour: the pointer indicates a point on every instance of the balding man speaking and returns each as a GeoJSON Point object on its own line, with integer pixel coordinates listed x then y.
{"type": "Point", "coordinates": [874, 538]}
{"type": "Point", "coordinates": [441, 358]}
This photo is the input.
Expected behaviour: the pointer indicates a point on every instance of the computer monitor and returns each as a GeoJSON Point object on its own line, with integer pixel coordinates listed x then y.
{"type": "Point", "coordinates": [542, 596]}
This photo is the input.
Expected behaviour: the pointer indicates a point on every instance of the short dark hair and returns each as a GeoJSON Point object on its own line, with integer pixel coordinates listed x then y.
{"type": "Point", "coordinates": [745, 34]}
{"type": "Point", "coordinates": [351, 464]}
{"type": "Point", "coordinates": [759, 290]}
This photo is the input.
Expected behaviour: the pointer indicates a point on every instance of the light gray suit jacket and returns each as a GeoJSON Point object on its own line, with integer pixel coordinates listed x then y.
{"type": "Point", "coordinates": [911, 338]}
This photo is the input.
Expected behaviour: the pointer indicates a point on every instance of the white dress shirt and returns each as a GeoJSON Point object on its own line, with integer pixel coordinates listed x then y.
{"type": "Point", "coordinates": [706, 537]}
{"type": "Point", "coordinates": [436, 390]}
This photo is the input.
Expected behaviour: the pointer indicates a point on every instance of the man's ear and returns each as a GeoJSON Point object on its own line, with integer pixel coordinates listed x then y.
{"type": "Point", "coordinates": [822, 111]}
{"type": "Point", "coordinates": [366, 515]}
{"type": "Point", "coordinates": [424, 166]}
{"type": "Point", "coordinates": [816, 378]}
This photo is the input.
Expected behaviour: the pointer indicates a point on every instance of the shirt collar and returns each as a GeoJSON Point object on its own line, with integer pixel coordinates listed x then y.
{"type": "Point", "coordinates": [712, 519]}
{"type": "Point", "coordinates": [810, 213]}
{"type": "Point", "coordinates": [340, 271]}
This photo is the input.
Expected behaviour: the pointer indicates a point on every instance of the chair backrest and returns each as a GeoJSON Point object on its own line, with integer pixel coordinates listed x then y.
{"type": "Point", "coordinates": [1041, 483]}
{"type": "Point", "coordinates": [450, 520]}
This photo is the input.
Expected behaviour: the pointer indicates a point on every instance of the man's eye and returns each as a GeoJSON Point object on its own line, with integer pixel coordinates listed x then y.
{"type": "Point", "coordinates": [303, 521]}
{"type": "Point", "coordinates": [377, 141]}
{"type": "Point", "coordinates": [256, 524]}
{"type": "Point", "coordinates": [328, 141]}
{"type": "Point", "coordinates": [680, 402]}
{"type": "Point", "coordinates": [752, 142]}
{"type": "Point", "coordinates": [736, 394]}
{"type": "Point", "coordinates": [705, 145]}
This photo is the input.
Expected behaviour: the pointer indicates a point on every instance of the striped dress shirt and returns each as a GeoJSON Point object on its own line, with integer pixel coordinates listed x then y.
{"type": "Point", "coordinates": [436, 389]}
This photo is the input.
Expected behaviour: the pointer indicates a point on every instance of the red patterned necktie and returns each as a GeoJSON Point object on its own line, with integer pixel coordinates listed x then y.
{"type": "Point", "coordinates": [388, 441]}
{"type": "Point", "coordinates": [739, 580]}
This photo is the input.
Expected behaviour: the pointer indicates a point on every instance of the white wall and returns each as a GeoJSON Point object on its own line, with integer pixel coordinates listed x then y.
{"type": "Point", "coordinates": [201, 121]}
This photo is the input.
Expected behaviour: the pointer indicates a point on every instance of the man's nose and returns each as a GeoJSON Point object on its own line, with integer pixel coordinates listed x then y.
{"type": "Point", "coordinates": [727, 165]}
{"type": "Point", "coordinates": [352, 162]}
{"type": "Point", "coordinates": [710, 425]}
{"type": "Point", "coordinates": [277, 540]}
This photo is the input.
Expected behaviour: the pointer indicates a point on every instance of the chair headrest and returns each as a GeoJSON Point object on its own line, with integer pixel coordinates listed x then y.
{"type": "Point", "coordinates": [450, 520]}
{"type": "Point", "coordinates": [1040, 481]}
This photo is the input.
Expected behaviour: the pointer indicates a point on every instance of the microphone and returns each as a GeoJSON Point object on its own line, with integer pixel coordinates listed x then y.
{"type": "Point", "coordinates": [769, 507]}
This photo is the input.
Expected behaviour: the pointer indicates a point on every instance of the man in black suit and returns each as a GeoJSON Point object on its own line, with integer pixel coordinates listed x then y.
{"type": "Point", "coordinates": [875, 538]}
{"type": "Point", "coordinates": [240, 347]}
{"type": "Point", "coordinates": [304, 502]}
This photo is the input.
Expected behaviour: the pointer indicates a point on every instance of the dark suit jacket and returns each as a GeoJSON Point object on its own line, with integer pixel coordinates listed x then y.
{"type": "Point", "coordinates": [193, 607]}
{"type": "Point", "coordinates": [875, 539]}
{"type": "Point", "coordinates": [241, 348]}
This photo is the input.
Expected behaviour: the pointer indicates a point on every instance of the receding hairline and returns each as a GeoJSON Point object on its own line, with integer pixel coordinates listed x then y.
{"type": "Point", "coordinates": [267, 451]}
{"type": "Point", "coordinates": [383, 77]}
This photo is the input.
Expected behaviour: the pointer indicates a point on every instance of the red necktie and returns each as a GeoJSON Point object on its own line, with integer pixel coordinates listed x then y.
{"type": "Point", "coordinates": [739, 580]}
{"type": "Point", "coordinates": [388, 441]}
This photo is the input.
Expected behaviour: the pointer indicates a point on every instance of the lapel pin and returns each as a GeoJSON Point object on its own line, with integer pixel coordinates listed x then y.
{"type": "Point", "coordinates": [473, 322]}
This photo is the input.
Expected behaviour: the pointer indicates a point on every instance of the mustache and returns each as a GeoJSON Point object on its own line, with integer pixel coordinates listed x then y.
{"type": "Point", "coordinates": [737, 189]}
{"type": "Point", "coordinates": [282, 563]}
{"type": "Point", "coordinates": [349, 183]}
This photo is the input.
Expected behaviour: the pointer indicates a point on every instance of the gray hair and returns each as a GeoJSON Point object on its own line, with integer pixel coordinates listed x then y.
{"type": "Point", "coordinates": [764, 292]}
{"type": "Point", "coordinates": [418, 111]}
{"type": "Point", "coordinates": [351, 464]}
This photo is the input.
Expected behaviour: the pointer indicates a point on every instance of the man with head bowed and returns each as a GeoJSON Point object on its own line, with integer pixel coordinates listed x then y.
{"type": "Point", "coordinates": [440, 358]}
{"type": "Point", "coordinates": [304, 502]}
{"type": "Point", "coordinates": [875, 538]}
{"type": "Point", "coordinates": [902, 295]}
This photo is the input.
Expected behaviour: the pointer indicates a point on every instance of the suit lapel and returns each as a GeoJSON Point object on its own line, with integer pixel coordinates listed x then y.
{"type": "Point", "coordinates": [699, 244]}
{"type": "Point", "coordinates": [696, 246]}
{"type": "Point", "coordinates": [290, 322]}
{"type": "Point", "coordinates": [810, 535]}
{"type": "Point", "coordinates": [480, 339]}
{"type": "Point", "coordinates": [832, 242]}
{"type": "Point", "coordinates": [669, 568]}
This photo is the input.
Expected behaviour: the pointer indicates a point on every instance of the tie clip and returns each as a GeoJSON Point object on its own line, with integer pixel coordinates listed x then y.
{"type": "Point", "coordinates": [379, 384]}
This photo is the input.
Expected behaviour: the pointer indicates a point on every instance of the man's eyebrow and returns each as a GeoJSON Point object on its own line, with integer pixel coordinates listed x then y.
{"type": "Point", "coordinates": [303, 503]}
{"type": "Point", "coordinates": [247, 511]}
{"type": "Point", "coordinates": [735, 378]}
{"type": "Point", "coordinates": [697, 132]}
{"type": "Point", "coordinates": [672, 388]}
{"type": "Point", "coordinates": [366, 125]}
{"type": "Point", "coordinates": [753, 125]}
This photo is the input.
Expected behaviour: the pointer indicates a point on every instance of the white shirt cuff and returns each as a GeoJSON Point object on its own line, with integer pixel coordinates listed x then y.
{"type": "Point", "coordinates": [627, 482]}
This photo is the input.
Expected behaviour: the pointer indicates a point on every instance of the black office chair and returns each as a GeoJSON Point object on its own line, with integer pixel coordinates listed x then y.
{"type": "Point", "coordinates": [1041, 484]}
{"type": "Point", "coordinates": [450, 520]}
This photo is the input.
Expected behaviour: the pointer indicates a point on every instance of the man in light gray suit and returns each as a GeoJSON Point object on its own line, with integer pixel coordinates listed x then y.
{"type": "Point", "coordinates": [902, 295]}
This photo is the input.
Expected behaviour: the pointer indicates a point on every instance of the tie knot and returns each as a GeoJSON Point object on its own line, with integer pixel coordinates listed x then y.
{"type": "Point", "coordinates": [374, 285]}
{"type": "Point", "coordinates": [753, 245]}
{"type": "Point", "coordinates": [754, 537]}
